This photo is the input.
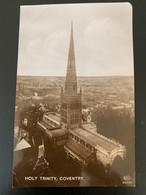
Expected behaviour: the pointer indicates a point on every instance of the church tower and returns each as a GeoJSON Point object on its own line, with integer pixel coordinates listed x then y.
{"type": "Point", "coordinates": [70, 112]}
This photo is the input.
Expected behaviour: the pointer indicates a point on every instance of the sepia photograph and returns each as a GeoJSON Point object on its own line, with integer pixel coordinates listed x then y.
{"type": "Point", "coordinates": [75, 105]}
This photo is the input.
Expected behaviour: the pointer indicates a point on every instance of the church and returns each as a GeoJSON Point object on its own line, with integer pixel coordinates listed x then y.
{"type": "Point", "coordinates": [79, 139]}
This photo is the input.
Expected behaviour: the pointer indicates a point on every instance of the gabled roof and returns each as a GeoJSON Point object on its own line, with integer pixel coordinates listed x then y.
{"type": "Point", "coordinates": [23, 144]}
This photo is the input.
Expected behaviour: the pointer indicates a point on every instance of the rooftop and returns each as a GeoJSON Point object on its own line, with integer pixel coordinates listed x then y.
{"type": "Point", "coordinates": [89, 126]}
{"type": "Point", "coordinates": [79, 150]}
{"type": "Point", "coordinates": [45, 125]}
{"type": "Point", "coordinates": [95, 139]}
{"type": "Point", "coordinates": [58, 132]}
{"type": "Point", "coordinates": [54, 116]}
{"type": "Point", "coordinates": [23, 144]}
{"type": "Point", "coordinates": [52, 131]}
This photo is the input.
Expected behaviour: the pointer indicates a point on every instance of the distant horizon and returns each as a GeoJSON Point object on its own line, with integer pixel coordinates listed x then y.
{"type": "Point", "coordinates": [77, 76]}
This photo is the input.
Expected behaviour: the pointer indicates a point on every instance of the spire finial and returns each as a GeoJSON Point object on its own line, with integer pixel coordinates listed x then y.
{"type": "Point", "coordinates": [72, 28]}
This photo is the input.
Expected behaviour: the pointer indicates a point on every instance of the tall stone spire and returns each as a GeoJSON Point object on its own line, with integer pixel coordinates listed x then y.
{"type": "Point", "coordinates": [71, 79]}
{"type": "Point", "coordinates": [71, 103]}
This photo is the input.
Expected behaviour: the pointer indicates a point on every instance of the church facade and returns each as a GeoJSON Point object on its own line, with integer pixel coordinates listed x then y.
{"type": "Point", "coordinates": [79, 139]}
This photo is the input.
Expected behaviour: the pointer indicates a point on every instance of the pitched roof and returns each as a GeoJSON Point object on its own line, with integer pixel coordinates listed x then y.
{"type": "Point", "coordinates": [95, 139]}
{"type": "Point", "coordinates": [23, 144]}
{"type": "Point", "coordinates": [54, 116]}
{"type": "Point", "coordinates": [79, 150]}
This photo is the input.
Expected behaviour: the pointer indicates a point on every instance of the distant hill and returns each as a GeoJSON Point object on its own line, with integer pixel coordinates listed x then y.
{"type": "Point", "coordinates": [80, 79]}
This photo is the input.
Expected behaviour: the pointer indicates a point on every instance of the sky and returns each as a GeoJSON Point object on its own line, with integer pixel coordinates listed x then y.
{"type": "Point", "coordinates": [103, 39]}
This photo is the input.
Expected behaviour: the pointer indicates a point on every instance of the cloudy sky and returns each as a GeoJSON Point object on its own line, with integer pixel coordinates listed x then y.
{"type": "Point", "coordinates": [102, 39]}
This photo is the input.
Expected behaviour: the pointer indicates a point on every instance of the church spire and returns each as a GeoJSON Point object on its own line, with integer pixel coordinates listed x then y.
{"type": "Point", "coordinates": [71, 79]}
{"type": "Point", "coordinates": [71, 103]}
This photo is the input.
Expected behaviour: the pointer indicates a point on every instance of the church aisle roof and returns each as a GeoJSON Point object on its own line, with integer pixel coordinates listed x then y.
{"type": "Point", "coordinates": [78, 149]}
{"type": "Point", "coordinates": [95, 139]}
{"type": "Point", "coordinates": [54, 116]}
{"type": "Point", "coordinates": [45, 125]}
